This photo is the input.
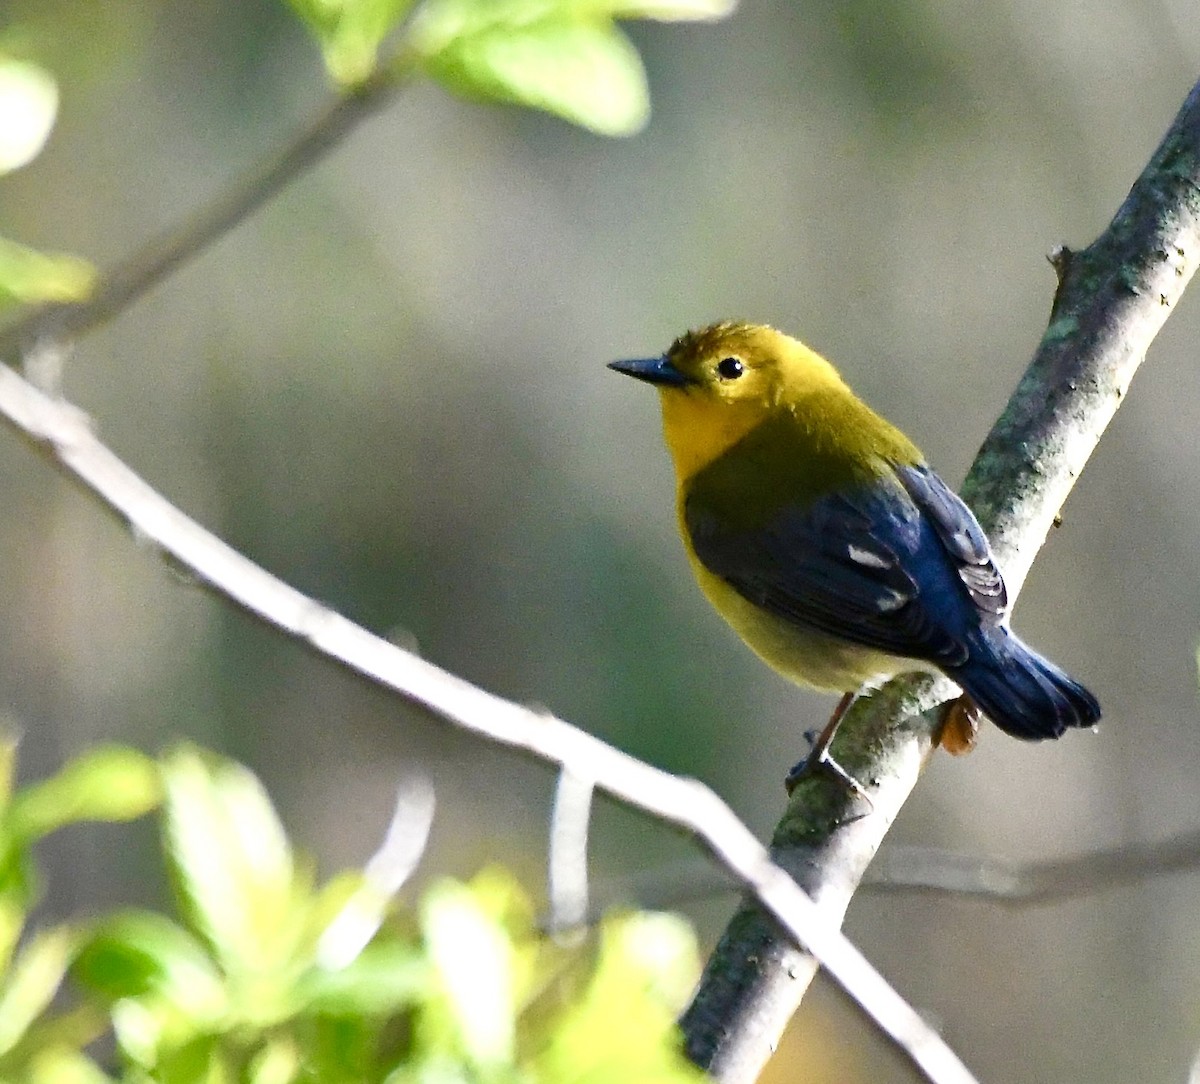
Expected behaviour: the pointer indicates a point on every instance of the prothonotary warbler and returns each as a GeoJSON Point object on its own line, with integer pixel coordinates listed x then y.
{"type": "Point", "coordinates": [820, 534]}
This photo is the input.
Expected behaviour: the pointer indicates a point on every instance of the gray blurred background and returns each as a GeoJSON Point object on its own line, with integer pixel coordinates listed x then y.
{"type": "Point", "coordinates": [388, 387]}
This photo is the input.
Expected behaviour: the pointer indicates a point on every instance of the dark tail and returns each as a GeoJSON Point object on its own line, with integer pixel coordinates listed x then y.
{"type": "Point", "coordinates": [1024, 694]}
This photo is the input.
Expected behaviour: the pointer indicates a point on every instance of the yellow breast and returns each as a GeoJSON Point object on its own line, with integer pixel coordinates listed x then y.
{"type": "Point", "coordinates": [804, 656]}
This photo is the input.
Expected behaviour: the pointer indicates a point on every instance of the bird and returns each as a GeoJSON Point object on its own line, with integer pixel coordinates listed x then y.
{"type": "Point", "coordinates": [820, 533]}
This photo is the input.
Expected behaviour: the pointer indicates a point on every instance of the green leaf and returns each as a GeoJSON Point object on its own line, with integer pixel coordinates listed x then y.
{"type": "Point", "coordinates": [473, 957]}
{"type": "Point", "coordinates": [351, 1049]}
{"type": "Point", "coordinates": [32, 981]}
{"type": "Point", "coordinates": [135, 953]}
{"type": "Point", "coordinates": [14, 903]}
{"type": "Point", "coordinates": [647, 966]}
{"type": "Point", "coordinates": [277, 1063]}
{"type": "Point", "coordinates": [137, 1029]}
{"type": "Point", "coordinates": [564, 56]}
{"type": "Point", "coordinates": [500, 896]}
{"type": "Point", "coordinates": [233, 866]}
{"type": "Point", "coordinates": [582, 69]}
{"type": "Point", "coordinates": [383, 979]}
{"type": "Point", "coordinates": [141, 1038]}
{"type": "Point", "coordinates": [64, 1066]}
{"type": "Point", "coordinates": [110, 783]}
{"type": "Point", "coordinates": [28, 106]}
{"type": "Point", "coordinates": [27, 275]}
{"type": "Point", "coordinates": [350, 32]}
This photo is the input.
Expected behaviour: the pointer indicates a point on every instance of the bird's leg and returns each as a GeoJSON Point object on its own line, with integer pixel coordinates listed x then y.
{"type": "Point", "coordinates": [957, 734]}
{"type": "Point", "coordinates": [960, 726]}
{"type": "Point", "coordinates": [825, 739]}
{"type": "Point", "coordinates": [818, 756]}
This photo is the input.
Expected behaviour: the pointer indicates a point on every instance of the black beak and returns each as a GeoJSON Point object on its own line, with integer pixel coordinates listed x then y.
{"type": "Point", "coordinates": [652, 370]}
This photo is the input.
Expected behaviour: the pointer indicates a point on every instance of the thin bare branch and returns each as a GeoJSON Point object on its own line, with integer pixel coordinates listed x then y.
{"type": "Point", "coordinates": [65, 321]}
{"type": "Point", "coordinates": [567, 868]}
{"type": "Point", "coordinates": [932, 870]}
{"type": "Point", "coordinates": [65, 433]}
{"type": "Point", "coordinates": [1111, 301]}
{"type": "Point", "coordinates": [921, 869]}
{"type": "Point", "coordinates": [383, 876]}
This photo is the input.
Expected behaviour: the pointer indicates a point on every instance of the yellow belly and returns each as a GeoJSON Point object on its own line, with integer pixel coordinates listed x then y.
{"type": "Point", "coordinates": [805, 656]}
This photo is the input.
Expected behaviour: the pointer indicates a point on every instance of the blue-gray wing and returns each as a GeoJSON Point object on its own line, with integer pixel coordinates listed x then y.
{"type": "Point", "coordinates": [900, 566]}
{"type": "Point", "coordinates": [963, 538]}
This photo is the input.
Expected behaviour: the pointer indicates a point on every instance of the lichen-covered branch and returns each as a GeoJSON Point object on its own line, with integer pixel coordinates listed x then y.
{"type": "Point", "coordinates": [1112, 299]}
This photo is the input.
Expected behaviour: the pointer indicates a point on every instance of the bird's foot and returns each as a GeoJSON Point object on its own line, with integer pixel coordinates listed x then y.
{"type": "Point", "coordinates": [819, 759]}
{"type": "Point", "coordinates": [959, 730]}
{"type": "Point", "coordinates": [826, 763]}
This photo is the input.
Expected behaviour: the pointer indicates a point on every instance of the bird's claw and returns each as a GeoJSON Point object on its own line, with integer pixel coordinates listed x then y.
{"type": "Point", "coordinates": [820, 760]}
{"type": "Point", "coordinates": [818, 756]}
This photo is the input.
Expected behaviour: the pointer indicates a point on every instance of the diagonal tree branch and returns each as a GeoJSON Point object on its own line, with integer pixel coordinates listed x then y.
{"type": "Point", "coordinates": [64, 431]}
{"type": "Point", "coordinates": [1112, 299]}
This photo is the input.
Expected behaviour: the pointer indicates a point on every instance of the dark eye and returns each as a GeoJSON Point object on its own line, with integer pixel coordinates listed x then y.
{"type": "Point", "coordinates": [730, 368]}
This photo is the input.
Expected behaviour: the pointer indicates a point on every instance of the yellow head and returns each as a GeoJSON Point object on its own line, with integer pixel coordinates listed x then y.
{"type": "Point", "coordinates": [719, 383]}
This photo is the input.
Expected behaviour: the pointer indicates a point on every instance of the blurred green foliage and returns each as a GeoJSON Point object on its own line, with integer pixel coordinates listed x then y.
{"type": "Point", "coordinates": [28, 106]}
{"type": "Point", "coordinates": [564, 56]}
{"type": "Point", "coordinates": [27, 275]}
{"type": "Point", "coordinates": [259, 977]}
{"type": "Point", "coordinates": [350, 32]}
